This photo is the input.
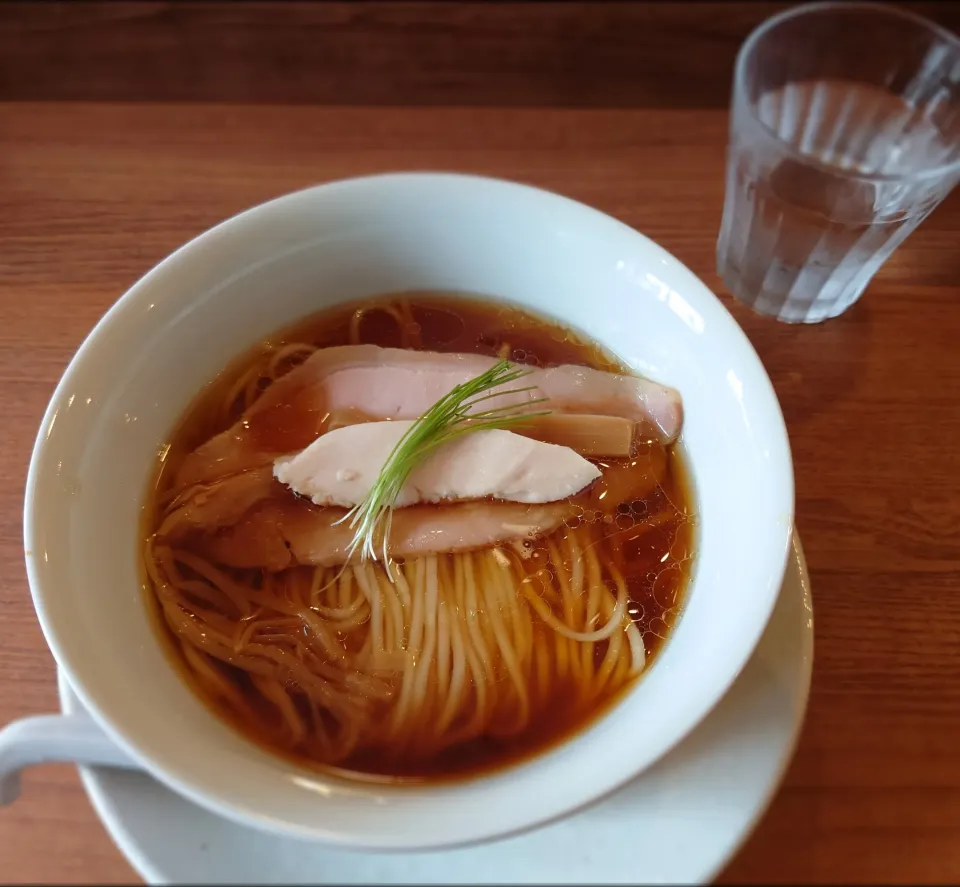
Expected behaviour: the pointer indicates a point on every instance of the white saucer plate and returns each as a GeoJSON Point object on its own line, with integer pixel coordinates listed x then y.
{"type": "Point", "coordinates": [678, 823]}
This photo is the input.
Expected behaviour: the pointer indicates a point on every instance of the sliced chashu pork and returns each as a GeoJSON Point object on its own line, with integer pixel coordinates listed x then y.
{"type": "Point", "coordinates": [389, 383]}
{"type": "Point", "coordinates": [340, 468]}
{"type": "Point", "coordinates": [209, 507]}
{"type": "Point", "coordinates": [252, 520]}
{"type": "Point", "coordinates": [283, 533]}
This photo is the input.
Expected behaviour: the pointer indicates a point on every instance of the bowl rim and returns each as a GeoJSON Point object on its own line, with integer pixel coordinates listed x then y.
{"type": "Point", "coordinates": [482, 828]}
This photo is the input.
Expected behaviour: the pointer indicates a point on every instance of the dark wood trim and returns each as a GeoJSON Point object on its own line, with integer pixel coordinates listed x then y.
{"type": "Point", "coordinates": [593, 54]}
{"type": "Point", "coordinates": [596, 54]}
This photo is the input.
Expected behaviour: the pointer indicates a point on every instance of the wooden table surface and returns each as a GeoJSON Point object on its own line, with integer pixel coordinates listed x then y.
{"type": "Point", "coordinates": [93, 193]}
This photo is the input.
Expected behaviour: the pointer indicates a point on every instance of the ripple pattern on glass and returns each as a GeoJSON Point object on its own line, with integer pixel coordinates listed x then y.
{"type": "Point", "coordinates": [807, 223]}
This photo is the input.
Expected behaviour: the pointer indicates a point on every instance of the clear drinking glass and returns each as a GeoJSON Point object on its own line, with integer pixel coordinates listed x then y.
{"type": "Point", "coordinates": [844, 135]}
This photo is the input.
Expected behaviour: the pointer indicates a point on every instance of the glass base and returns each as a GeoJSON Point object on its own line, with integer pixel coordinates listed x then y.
{"type": "Point", "coordinates": [791, 309]}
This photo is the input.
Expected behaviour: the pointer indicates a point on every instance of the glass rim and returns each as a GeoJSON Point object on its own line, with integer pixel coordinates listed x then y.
{"type": "Point", "coordinates": [886, 10]}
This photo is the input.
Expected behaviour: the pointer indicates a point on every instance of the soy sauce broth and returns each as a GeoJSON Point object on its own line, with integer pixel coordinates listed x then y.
{"type": "Point", "coordinates": [654, 535]}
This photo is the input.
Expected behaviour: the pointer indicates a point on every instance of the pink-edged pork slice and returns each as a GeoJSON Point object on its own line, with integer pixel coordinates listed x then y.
{"type": "Point", "coordinates": [282, 533]}
{"type": "Point", "coordinates": [367, 383]}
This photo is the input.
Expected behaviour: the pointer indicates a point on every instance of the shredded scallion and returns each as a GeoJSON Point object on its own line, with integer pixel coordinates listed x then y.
{"type": "Point", "coordinates": [449, 418]}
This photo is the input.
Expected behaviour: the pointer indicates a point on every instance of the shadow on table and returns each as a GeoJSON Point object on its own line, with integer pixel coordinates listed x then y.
{"type": "Point", "coordinates": [813, 367]}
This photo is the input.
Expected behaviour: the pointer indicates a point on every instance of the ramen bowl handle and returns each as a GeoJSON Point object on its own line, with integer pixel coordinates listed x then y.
{"type": "Point", "coordinates": [53, 738]}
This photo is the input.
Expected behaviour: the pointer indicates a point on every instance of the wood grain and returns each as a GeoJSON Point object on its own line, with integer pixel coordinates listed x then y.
{"type": "Point", "coordinates": [587, 54]}
{"type": "Point", "coordinates": [93, 194]}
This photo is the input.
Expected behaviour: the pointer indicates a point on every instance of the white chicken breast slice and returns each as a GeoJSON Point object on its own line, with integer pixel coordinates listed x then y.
{"type": "Point", "coordinates": [341, 467]}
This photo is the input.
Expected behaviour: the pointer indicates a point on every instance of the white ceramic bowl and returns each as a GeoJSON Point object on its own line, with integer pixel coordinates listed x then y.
{"type": "Point", "coordinates": [230, 287]}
